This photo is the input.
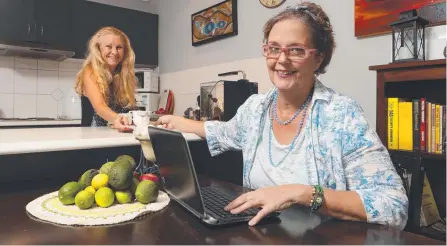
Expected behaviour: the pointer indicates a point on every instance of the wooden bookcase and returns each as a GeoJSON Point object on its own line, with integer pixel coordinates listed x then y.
{"type": "Point", "coordinates": [414, 80]}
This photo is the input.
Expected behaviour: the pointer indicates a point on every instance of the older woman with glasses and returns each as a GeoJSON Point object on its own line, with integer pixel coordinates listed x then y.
{"type": "Point", "coordinates": [302, 142]}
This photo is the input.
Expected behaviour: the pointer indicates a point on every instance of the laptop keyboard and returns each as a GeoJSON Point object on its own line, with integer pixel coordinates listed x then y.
{"type": "Point", "coordinates": [215, 201]}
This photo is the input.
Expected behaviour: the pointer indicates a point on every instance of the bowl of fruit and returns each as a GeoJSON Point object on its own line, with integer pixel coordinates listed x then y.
{"type": "Point", "coordinates": [116, 192]}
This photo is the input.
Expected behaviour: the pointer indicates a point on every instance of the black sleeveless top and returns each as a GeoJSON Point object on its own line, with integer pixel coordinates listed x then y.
{"type": "Point", "coordinates": [113, 105]}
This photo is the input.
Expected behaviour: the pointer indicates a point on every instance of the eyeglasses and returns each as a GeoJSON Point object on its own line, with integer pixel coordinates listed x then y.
{"type": "Point", "coordinates": [294, 53]}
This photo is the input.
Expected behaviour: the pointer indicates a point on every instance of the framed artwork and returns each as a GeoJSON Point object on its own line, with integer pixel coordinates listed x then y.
{"type": "Point", "coordinates": [372, 17]}
{"type": "Point", "coordinates": [213, 23]}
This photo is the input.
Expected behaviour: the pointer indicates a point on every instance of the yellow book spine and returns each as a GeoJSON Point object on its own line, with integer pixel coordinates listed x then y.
{"type": "Point", "coordinates": [437, 125]}
{"type": "Point", "coordinates": [433, 128]}
{"type": "Point", "coordinates": [406, 126]}
{"type": "Point", "coordinates": [393, 123]}
{"type": "Point", "coordinates": [441, 128]}
{"type": "Point", "coordinates": [428, 127]}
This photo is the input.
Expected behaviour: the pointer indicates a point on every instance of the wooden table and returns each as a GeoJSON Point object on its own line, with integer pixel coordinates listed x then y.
{"type": "Point", "coordinates": [173, 225]}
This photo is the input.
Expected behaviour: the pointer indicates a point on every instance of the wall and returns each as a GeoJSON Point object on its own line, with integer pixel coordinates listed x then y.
{"type": "Point", "coordinates": [183, 67]}
{"type": "Point", "coordinates": [38, 88]}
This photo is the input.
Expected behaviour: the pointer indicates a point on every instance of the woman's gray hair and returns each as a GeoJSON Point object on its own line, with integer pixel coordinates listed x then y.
{"type": "Point", "coordinates": [318, 22]}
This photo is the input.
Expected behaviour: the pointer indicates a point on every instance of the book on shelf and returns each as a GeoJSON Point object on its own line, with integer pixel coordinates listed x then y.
{"type": "Point", "coordinates": [393, 104]}
{"type": "Point", "coordinates": [429, 209]}
{"type": "Point", "coordinates": [416, 125]}
{"type": "Point", "coordinates": [416, 110]}
{"type": "Point", "coordinates": [422, 135]}
{"type": "Point", "coordinates": [405, 126]}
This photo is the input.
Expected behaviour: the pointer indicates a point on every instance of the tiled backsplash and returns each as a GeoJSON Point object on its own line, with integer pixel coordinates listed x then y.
{"type": "Point", "coordinates": [38, 88]}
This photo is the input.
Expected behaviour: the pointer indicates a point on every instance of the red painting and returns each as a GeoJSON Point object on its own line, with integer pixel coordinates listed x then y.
{"type": "Point", "coordinates": [372, 17]}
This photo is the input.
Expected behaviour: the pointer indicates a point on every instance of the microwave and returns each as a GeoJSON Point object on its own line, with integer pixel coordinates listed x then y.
{"type": "Point", "coordinates": [148, 101]}
{"type": "Point", "coordinates": [147, 80]}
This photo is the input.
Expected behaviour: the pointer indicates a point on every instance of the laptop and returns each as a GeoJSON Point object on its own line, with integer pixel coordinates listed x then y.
{"type": "Point", "coordinates": [181, 184]}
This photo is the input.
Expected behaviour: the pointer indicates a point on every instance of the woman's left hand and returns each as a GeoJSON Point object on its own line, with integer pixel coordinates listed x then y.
{"type": "Point", "coordinates": [270, 199]}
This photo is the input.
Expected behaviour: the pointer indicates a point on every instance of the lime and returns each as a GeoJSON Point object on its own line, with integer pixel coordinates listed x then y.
{"type": "Point", "coordinates": [146, 192]}
{"type": "Point", "coordinates": [90, 189]}
{"type": "Point", "coordinates": [84, 199]}
{"type": "Point", "coordinates": [68, 192]}
{"type": "Point", "coordinates": [104, 197]}
{"type": "Point", "coordinates": [100, 180]}
{"type": "Point", "coordinates": [123, 196]}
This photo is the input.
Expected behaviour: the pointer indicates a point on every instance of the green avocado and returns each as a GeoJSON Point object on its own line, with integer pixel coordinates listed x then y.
{"type": "Point", "coordinates": [120, 175]}
{"type": "Point", "coordinates": [86, 179]}
{"type": "Point", "coordinates": [127, 158]}
{"type": "Point", "coordinates": [105, 168]}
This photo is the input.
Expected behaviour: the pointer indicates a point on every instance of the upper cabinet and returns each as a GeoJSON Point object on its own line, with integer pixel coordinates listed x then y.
{"type": "Point", "coordinates": [141, 28]}
{"type": "Point", "coordinates": [16, 20]}
{"type": "Point", "coordinates": [52, 21]}
{"type": "Point", "coordinates": [40, 21]}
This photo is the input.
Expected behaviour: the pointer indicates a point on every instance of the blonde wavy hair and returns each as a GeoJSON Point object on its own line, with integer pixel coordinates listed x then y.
{"type": "Point", "coordinates": [124, 76]}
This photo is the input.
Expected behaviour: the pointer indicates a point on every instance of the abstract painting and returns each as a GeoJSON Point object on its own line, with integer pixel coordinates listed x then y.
{"type": "Point", "coordinates": [372, 17]}
{"type": "Point", "coordinates": [214, 23]}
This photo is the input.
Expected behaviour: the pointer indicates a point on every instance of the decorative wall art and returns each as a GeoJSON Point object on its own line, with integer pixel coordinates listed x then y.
{"type": "Point", "coordinates": [213, 23]}
{"type": "Point", "coordinates": [271, 3]}
{"type": "Point", "coordinates": [372, 17]}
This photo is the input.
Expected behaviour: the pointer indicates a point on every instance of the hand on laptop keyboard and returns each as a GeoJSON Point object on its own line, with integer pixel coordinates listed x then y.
{"type": "Point", "coordinates": [270, 199]}
{"type": "Point", "coordinates": [216, 201]}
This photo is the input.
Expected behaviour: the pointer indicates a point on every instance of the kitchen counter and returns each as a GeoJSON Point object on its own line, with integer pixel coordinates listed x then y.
{"type": "Point", "coordinates": [9, 123]}
{"type": "Point", "coordinates": [32, 140]}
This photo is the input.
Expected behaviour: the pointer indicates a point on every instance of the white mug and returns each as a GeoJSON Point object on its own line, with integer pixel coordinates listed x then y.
{"type": "Point", "coordinates": [139, 117]}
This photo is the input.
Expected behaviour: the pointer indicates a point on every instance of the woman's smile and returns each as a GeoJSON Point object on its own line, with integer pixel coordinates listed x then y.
{"type": "Point", "coordinates": [285, 74]}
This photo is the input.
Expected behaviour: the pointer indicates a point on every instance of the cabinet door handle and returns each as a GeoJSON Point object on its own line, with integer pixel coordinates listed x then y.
{"type": "Point", "coordinates": [29, 28]}
{"type": "Point", "coordinates": [41, 30]}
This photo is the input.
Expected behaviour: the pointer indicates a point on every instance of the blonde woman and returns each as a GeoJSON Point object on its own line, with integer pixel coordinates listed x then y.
{"type": "Point", "coordinates": [107, 78]}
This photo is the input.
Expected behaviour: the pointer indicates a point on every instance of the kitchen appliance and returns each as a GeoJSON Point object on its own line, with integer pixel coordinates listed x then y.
{"type": "Point", "coordinates": [148, 101]}
{"type": "Point", "coordinates": [34, 50]}
{"type": "Point", "coordinates": [147, 80]}
{"type": "Point", "coordinates": [220, 100]}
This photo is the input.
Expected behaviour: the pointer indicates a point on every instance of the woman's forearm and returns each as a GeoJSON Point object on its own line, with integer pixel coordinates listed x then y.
{"type": "Point", "coordinates": [345, 205]}
{"type": "Point", "coordinates": [191, 126]}
{"type": "Point", "coordinates": [106, 113]}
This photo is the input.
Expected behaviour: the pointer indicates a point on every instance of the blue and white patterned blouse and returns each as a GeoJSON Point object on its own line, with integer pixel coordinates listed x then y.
{"type": "Point", "coordinates": [346, 153]}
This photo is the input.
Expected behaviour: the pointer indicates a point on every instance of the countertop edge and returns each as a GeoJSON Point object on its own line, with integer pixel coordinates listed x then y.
{"type": "Point", "coordinates": [67, 145]}
{"type": "Point", "coordinates": [5, 123]}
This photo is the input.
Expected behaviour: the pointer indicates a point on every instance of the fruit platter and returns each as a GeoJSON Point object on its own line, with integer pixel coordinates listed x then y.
{"type": "Point", "coordinates": [118, 191]}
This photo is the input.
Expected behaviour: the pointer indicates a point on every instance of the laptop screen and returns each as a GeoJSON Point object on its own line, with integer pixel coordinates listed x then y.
{"type": "Point", "coordinates": [173, 158]}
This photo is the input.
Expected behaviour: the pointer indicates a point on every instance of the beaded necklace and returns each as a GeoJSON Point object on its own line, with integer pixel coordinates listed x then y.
{"type": "Point", "coordinates": [273, 115]}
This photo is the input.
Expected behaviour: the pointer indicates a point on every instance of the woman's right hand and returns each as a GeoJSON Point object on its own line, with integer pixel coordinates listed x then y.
{"type": "Point", "coordinates": [169, 121]}
{"type": "Point", "coordinates": [121, 123]}
{"type": "Point", "coordinates": [182, 124]}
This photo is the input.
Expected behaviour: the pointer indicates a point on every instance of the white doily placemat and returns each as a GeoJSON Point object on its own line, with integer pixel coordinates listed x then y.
{"type": "Point", "coordinates": [49, 208]}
